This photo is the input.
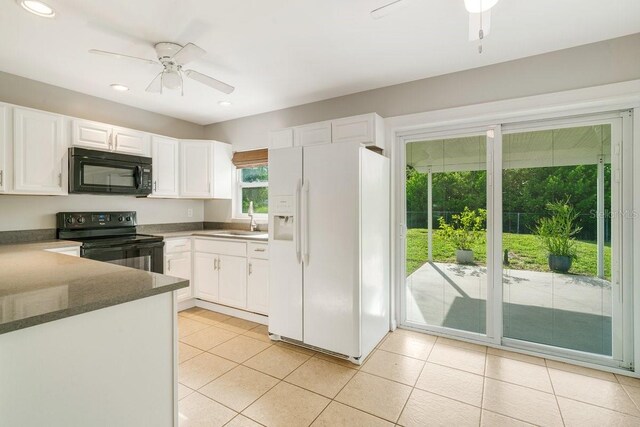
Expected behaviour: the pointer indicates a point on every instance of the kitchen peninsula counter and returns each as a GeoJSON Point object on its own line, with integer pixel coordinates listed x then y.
{"type": "Point", "coordinates": [38, 286]}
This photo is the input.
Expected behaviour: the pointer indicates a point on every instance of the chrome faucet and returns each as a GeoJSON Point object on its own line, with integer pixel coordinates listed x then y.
{"type": "Point", "coordinates": [252, 222]}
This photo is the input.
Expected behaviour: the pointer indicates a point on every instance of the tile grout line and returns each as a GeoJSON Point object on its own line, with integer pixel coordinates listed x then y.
{"type": "Point", "coordinates": [555, 396]}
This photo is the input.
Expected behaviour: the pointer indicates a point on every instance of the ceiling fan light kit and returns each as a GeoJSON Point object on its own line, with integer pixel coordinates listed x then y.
{"type": "Point", "coordinates": [479, 16]}
{"type": "Point", "coordinates": [173, 57]}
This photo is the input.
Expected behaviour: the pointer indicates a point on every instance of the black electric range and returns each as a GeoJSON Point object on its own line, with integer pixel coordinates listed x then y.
{"type": "Point", "coordinates": [112, 237]}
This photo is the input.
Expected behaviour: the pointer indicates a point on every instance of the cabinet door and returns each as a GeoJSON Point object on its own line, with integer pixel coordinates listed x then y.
{"type": "Point", "coordinates": [195, 169]}
{"type": "Point", "coordinates": [258, 286]}
{"type": "Point", "coordinates": [315, 133]}
{"type": "Point", "coordinates": [233, 281]}
{"type": "Point", "coordinates": [39, 150]}
{"type": "Point", "coordinates": [366, 129]}
{"type": "Point", "coordinates": [179, 265]}
{"type": "Point", "coordinates": [91, 135]}
{"type": "Point", "coordinates": [4, 141]}
{"type": "Point", "coordinates": [205, 276]}
{"type": "Point", "coordinates": [130, 141]}
{"type": "Point", "coordinates": [282, 138]}
{"type": "Point", "coordinates": [165, 155]}
{"type": "Point", "coordinates": [223, 170]}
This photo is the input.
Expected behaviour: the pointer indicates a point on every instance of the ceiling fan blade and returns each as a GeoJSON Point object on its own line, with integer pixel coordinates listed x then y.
{"type": "Point", "coordinates": [156, 84]}
{"type": "Point", "coordinates": [209, 81]}
{"type": "Point", "coordinates": [188, 53]}
{"type": "Point", "coordinates": [121, 56]}
{"type": "Point", "coordinates": [388, 8]}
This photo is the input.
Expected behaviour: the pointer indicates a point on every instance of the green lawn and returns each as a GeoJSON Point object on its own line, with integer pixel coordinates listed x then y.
{"type": "Point", "coordinates": [525, 253]}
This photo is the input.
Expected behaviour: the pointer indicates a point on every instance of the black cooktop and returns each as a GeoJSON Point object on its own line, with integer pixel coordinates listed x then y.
{"type": "Point", "coordinates": [112, 241]}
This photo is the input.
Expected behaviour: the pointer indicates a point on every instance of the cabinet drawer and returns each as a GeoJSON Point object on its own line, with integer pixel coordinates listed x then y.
{"type": "Point", "coordinates": [221, 247]}
{"type": "Point", "coordinates": [258, 250]}
{"type": "Point", "coordinates": [177, 245]}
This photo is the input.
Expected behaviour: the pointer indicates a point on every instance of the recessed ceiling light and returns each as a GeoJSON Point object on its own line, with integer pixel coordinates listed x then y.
{"type": "Point", "coordinates": [224, 103]}
{"type": "Point", "coordinates": [119, 88]}
{"type": "Point", "coordinates": [37, 8]}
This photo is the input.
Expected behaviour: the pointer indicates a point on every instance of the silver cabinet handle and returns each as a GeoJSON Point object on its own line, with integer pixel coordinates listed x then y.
{"type": "Point", "coordinates": [259, 250]}
{"type": "Point", "coordinates": [250, 269]}
{"type": "Point", "coordinates": [1, 177]}
{"type": "Point", "coordinates": [155, 185]}
{"type": "Point", "coordinates": [110, 140]}
{"type": "Point", "coordinates": [169, 265]}
{"type": "Point", "coordinates": [219, 264]}
{"type": "Point", "coordinates": [60, 179]}
{"type": "Point", "coordinates": [215, 264]}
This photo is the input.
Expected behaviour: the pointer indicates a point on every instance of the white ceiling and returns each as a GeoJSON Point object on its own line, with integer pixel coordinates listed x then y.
{"type": "Point", "coordinates": [281, 53]}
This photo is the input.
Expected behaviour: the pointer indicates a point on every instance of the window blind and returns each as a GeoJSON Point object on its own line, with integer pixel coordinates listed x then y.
{"type": "Point", "coordinates": [251, 159]}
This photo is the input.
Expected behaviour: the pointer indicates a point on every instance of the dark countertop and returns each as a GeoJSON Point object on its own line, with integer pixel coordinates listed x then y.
{"type": "Point", "coordinates": [37, 286]}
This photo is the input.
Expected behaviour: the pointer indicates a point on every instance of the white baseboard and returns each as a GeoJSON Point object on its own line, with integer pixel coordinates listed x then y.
{"type": "Point", "coordinates": [187, 303]}
{"type": "Point", "coordinates": [246, 315]}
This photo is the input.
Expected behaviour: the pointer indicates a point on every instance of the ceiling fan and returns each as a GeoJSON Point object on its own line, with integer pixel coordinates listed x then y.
{"type": "Point", "coordinates": [479, 16]}
{"type": "Point", "coordinates": [173, 57]}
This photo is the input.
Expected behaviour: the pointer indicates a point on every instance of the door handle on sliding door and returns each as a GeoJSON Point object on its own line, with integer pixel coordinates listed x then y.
{"type": "Point", "coordinates": [297, 220]}
{"type": "Point", "coordinates": [305, 222]}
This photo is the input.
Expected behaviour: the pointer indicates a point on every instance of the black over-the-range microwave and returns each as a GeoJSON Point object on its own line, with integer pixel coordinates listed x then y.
{"type": "Point", "coordinates": [101, 172]}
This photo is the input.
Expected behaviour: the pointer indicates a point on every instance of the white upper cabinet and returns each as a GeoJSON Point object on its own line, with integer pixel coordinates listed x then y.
{"type": "Point", "coordinates": [315, 133]}
{"type": "Point", "coordinates": [206, 170]}
{"type": "Point", "coordinates": [4, 145]}
{"type": "Point", "coordinates": [38, 152]}
{"type": "Point", "coordinates": [166, 160]}
{"type": "Point", "coordinates": [196, 161]}
{"type": "Point", "coordinates": [282, 138]}
{"type": "Point", "coordinates": [130, 141]}
{"type": "Point", "coordinates": [366, 129]}
{"type": "Point", "coordinates": [101, 136]}
{"type": "Point", "coordinates": [223, 171]}
{"type": "Point", "coordinates": [91, 135]}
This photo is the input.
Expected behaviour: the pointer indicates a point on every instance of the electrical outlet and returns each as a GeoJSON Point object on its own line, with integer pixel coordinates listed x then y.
{"type": "Point", "coordinates": [190, 213]}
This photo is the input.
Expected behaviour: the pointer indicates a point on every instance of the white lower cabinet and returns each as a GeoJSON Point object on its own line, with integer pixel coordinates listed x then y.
{"type": "Point", "coordinates": [205, 276]}
{"type": "Point", "coordinates": [231, 273]}
{"type": "Point", "coordinates": [232, 288]}
{"type": "Point", "coordinates": [179, 265]}
{"type": "Point", "coordinates": [258, 286]}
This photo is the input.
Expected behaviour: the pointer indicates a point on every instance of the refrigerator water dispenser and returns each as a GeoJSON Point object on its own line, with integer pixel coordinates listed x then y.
{"type": "Point", "coordinates": [283, 227]}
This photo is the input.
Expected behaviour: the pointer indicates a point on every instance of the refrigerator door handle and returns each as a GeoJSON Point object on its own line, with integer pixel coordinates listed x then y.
{"type": "Point", "coordinates": [305, 222]}
{"type": "Point", "coordinates": [297, 220]}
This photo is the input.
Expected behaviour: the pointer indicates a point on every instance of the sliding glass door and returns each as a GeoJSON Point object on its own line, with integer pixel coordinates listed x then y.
{"type": "Point", "coordinates": [446, 239]}
{"type": "Point", "coordinates": [561, 237]}
{"type": "Point", "coordinates": [515, 235]}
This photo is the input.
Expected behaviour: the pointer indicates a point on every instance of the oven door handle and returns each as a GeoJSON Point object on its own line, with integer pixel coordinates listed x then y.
{"type": "Point", "coordinates": [123, 247]}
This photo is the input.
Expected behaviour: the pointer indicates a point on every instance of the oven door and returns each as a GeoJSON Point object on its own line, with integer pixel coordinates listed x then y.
{"type": "Point", "coordinates": [100, 175]}
{"type": "Point", "coordinates": [142, 257]}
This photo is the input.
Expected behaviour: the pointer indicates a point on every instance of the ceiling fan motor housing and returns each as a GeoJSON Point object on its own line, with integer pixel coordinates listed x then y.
{"type": "Point", "coordinates": [166, 51]}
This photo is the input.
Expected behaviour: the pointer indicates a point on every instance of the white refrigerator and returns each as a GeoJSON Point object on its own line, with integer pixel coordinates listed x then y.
{"type": "Point", "coordinates": [329, 248]}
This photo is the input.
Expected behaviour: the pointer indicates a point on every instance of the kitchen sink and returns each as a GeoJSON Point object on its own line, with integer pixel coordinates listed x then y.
{"type": "Point", "coordinates": [240, 233]}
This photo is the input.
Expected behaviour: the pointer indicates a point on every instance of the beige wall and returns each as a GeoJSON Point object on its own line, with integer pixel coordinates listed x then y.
{"type": "Point", "coordinates": [42, 96]}
{"type": "Point", "coordinates": [595, 64]}
{"type": "Point", "coordinates": [36, 212]}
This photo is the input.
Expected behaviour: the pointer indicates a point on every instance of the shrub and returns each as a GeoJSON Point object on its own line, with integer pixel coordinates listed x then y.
{"type": "Point", "coordinates": [557, 232]}
{"type": "Point", "coordinates": [466, 228]}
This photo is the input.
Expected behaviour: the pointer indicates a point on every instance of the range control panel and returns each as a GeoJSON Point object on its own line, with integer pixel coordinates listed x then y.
{"type": "Point", "coordinates": [80, 220]}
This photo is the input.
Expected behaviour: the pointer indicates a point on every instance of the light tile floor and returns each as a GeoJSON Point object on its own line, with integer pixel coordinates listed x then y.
{"type": "Point", "coordinates": [231, 374]}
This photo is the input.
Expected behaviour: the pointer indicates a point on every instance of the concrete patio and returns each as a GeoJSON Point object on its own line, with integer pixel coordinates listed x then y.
{"type": "Point", "coordinates": [562, 310]}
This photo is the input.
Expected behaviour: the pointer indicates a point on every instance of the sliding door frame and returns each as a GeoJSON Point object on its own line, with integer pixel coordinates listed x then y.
{"type": "Point", "coordinates": [622, 131]}
{"type": "Point", "coordinates": [493, 135]}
